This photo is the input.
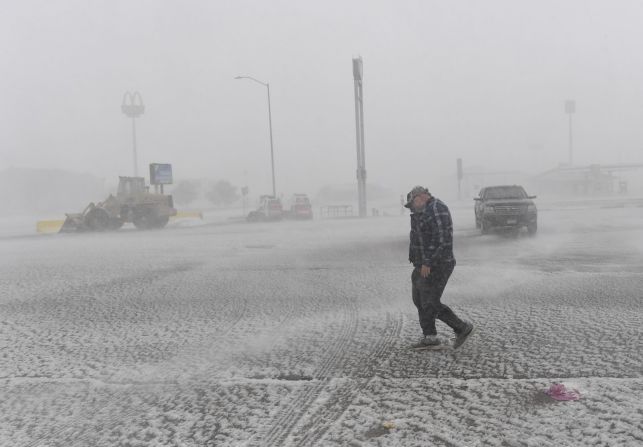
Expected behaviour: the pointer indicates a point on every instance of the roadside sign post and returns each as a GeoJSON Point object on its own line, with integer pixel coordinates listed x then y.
{"type": "Point", "coordinates": [160, 174]}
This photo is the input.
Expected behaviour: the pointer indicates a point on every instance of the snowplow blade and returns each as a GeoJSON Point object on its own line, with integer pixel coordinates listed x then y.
{"type": "Point", "coordinates": [49, 226]}
{"type": "Point", "coordinates": [73, 223]}
{"type": "Point", "coordinates": [187, 215]}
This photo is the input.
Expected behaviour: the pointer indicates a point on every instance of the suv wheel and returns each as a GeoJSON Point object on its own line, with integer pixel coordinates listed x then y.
{"type": "Point", "coordinates": [484, 227]}
{"type": "Point", "coordinates": [532, 228]}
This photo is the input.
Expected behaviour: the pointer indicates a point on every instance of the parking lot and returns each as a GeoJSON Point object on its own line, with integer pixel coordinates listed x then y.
{"type": "Point", "coordinates": [296, 333]}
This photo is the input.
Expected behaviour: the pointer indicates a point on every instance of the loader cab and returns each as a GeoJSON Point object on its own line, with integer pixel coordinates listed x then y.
{"type": "Point", "coordinates": [128, 186]}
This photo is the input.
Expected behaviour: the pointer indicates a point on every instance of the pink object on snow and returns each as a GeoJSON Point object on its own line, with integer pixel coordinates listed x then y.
{"type": "Point", "coordinates": [559, 392]}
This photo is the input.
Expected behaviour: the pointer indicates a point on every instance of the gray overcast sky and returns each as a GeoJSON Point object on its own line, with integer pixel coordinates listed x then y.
{"type": "Point", "coordinates": [481, 80]}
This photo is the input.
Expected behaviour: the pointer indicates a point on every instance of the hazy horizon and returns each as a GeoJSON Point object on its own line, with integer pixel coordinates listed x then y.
{"type": "Point", "coordinates": [485, 82]}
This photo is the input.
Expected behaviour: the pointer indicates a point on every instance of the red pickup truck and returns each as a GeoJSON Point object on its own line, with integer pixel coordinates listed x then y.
{"type": "Point", "coordinates": [300, 207]}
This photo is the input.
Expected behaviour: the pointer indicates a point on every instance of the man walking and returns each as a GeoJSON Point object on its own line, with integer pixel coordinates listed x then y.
{"type": "Point", "coordinates": [431, 253]}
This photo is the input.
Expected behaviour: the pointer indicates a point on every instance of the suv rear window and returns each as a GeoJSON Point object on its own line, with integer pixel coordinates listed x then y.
{"type": "Point", "coordinates": [505, 192]}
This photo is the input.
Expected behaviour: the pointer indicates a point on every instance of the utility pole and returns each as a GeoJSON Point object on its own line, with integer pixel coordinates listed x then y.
{"type": "Point", "coordinates": [133, 107]}
{"type": "Point", "coordinates": [359, 133]}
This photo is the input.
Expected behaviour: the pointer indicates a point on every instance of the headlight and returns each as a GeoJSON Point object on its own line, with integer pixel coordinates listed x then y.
{"type": "Point", "coordinates": [531, 208]}
{"type": "Point", "coordinates": [488, 209]}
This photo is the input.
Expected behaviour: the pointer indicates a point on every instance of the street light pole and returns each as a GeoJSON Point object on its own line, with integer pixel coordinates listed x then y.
{"type": "Point", "coordinates": [133, 107]}
{"type": "Point", "coordinates": [272, 152]}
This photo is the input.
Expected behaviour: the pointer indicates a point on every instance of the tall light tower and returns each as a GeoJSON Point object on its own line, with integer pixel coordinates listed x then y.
{"type": "Point", "coordinates": [133, 107]}
{"type": "Point", "coordinates": [272, 152]}
{"type": "Point", "coordinates": [359, 132]}
{"type": "Point", "coordinates": [570, 109]}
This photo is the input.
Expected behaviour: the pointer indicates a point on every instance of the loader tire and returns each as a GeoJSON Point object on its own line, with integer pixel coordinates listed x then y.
{"type": "Point", "coordinates": [161, 221]}
{"type": "Point", "coordinates": [143, 221]}
{"type": "Point", "coordinates": [115, 224]}
{"type": "Point", "coordinates": [97, 219]}
{"type": "Point", "coordinates": [148, 221]}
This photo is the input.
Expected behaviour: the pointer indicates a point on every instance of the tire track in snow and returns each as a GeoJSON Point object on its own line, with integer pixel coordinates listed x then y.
{"type": "Point", "coordinates": [288, 428]}
{"type": "Point", "coordinates": [320, 421]}
{"type": "Point", "coordinates": [283, 423]}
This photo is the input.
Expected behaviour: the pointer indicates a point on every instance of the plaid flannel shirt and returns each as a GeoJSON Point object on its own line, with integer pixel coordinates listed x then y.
{"type": "Point", "coordinates": [431, 235]}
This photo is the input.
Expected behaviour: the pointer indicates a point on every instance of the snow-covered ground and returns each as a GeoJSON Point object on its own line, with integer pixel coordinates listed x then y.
{"type": "Point", "coordinates": [295, 333]}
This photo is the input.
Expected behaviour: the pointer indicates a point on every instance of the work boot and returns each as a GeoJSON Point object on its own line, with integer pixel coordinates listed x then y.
{"type": "Point", "coordinates": [461, 336]}
{"type": "Point", "coordinates": [426, 341]}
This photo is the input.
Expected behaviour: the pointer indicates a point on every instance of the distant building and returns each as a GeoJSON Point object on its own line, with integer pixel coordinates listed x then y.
{"type": "Point", "coordinates": [592, 180]}
{"type": "Point", "coordinates": [580, 181]}
{"type": "Point", "coordinates": [27, 191]}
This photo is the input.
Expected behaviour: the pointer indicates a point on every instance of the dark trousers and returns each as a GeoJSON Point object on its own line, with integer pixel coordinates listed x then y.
{"type": "Point", "coordinates": [426, 297]}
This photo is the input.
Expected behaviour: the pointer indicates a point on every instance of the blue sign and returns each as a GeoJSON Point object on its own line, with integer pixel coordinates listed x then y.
{"type": "Point", "coordinates": [160, 174]}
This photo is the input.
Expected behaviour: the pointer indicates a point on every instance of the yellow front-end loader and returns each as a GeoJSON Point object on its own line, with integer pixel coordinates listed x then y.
{"type": "Point", "coordinates": [133, 203]}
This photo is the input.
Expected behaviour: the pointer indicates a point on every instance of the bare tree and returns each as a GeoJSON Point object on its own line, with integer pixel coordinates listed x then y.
{"type": "Point", "coordinates": [186, 191]}
{"type": "Point", "coordinates": [222, 193]}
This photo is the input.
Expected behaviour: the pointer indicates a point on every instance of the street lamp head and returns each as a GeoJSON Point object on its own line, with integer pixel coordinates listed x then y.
{"type": "Point", "coordinates": [265, 84]}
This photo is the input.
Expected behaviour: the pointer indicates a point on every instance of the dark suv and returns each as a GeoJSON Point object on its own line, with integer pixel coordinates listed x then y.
{"type": "Point", "coordinates": [505, 207]}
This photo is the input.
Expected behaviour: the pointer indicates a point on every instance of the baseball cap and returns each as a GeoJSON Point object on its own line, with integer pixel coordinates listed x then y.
{"type": "Point", "coordinates": [416, 191]}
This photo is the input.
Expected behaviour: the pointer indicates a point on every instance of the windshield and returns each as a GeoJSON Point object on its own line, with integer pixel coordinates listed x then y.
{"type": "Point", "coordinates": [505, 192]}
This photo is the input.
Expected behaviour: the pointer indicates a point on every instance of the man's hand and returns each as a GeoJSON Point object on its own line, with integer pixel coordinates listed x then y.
{"type": "Point", "coordinates": [425, 271]}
